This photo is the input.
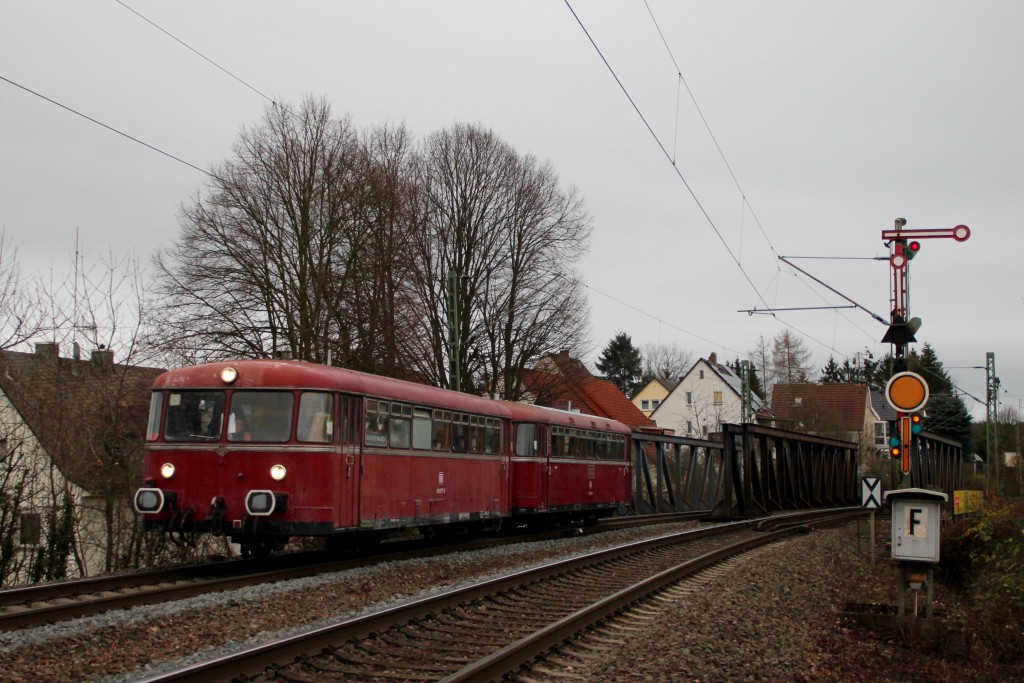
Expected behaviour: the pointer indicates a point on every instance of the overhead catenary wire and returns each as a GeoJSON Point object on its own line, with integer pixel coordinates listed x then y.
{"type": "Point", "coordinates": [707, 126]}
{"type": "Point", "coordinates": [110, 128]}
{"type": "Point", "coordinates": [197, 52]}
{"type": "Point", "coordinates": [682, 178]}
{"type": "Point", "coordinates": [661, 321]}
{"type": "Point", "coordinates": [665, 152]}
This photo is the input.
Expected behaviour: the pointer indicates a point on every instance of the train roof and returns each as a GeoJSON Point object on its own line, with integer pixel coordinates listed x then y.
{"type": "Point", "coordinates": [528, 411]}
{"type": "Point", "coordinates": [303, 375]}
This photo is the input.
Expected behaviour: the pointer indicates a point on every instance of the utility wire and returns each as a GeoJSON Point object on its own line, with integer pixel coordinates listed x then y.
{"type": "Point", "coordinates": [183, 43]}
{"type": "Point", "coordinates": [663, 322]}
{"type": "Point", "coordinates": [110, 128]}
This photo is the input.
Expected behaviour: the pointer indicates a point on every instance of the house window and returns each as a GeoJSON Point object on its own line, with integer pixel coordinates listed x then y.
{"type": "Point", "coordinates": [702, 374]}
{"type": "Point", "coordinates": [881, 434]}
{"type": "Point", "coordinates": [689, 427]}
{"type": "Point", "coordinates": [30, 528]}
{"type": "Point", "coordinates": [717, 398]}
{"type": "Point", "coordinates": [655, 403]}
{"type": "Point", "coordinates": [689, 398]}
{"type": "Point", "coordinates": [797, 401]}
{"type": "Point", "coordinates": [645, 405]}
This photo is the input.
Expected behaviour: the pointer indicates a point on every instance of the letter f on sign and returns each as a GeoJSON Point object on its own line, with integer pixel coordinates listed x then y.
{"type": "Point", "coordinates": [913, 521]}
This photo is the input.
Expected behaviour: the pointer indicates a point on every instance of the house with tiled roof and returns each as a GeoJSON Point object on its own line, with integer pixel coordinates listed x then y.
{"type": "Point", "coordinates": [851, 412]}
{"type": "Point", "coordinates": [71, 429]}
{"type": "Point", "coordinates": [709, 395]}
{"type": "Point", "coordinates": [560, 381]}
{"type": "Point", "coordinates": [650, 395]}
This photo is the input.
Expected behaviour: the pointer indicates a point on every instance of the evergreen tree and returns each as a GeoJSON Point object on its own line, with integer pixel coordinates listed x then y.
{"type": "Point", "coordinates": [832, 373]}
{"type": "Point", "coordinates": [847, 373]}
{"type": "Point", "coordinates": [756, 387]}
{"type": "Point", "coordinates": [876, 372]}
{"type": "Point", "coordinates": [945, 413]}
{"type": "Point", "coordinates": [622, 364]}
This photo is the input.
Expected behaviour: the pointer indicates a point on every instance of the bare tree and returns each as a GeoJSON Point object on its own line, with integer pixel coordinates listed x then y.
{"type": "Point", "coordinates": [374, 314]}
{"type": "Point", "coordinates": [19, 312]}
{"type": "Point", "coordinates": [790, 359]}
{"type": "Point", "coordinates": [264, 257]}
{"type": "Point", "coordinates": [761, 357]}
{"type": "Point", "coordinates": [502, 224]}
{"type": "Point", "coordinates": [665, 361]}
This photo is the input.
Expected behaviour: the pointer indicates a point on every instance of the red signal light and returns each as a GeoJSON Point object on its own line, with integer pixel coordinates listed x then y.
{"type": "Point", "coordinates": [910, 251]}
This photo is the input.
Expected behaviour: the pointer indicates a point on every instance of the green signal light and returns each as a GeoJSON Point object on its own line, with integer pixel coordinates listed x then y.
{"type": "Point", "coordinates": [915, 424]}
{"type": "Point", "coordinates": [894, 441]}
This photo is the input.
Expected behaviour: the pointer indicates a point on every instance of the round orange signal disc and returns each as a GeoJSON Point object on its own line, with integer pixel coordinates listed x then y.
{"type": "Point", "coordinates": [907, 392]}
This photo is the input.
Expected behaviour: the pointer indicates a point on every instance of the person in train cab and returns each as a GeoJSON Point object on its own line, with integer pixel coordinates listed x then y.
{"type": "Point", "coordinates": [241, 432]}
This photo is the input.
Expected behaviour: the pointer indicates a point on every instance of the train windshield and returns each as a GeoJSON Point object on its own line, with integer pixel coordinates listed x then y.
{"type": "Point", "coordinates": [261, 416]}
{"type": "Point", "coordinates": [194, 415]}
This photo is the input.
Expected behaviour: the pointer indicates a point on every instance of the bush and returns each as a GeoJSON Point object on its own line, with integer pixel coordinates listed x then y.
{"type": "Point", "coordinates": [985, 554]}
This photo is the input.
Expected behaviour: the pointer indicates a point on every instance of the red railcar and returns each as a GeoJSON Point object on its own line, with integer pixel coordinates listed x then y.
{"type": "Point", "coordinates": [264, 450]}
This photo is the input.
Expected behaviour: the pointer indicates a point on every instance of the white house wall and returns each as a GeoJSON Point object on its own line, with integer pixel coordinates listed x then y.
{"type": "Point", "coordinates": [702, 412]}
{"type": "Point", "coordinates": [24, 454]}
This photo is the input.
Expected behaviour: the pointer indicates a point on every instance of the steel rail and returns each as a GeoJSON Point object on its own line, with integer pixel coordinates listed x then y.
{"type": "Point", "coordinates": [27, 606]}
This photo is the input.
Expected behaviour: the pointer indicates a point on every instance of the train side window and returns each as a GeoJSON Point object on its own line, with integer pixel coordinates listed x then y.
{"type": "Point", "coordinates": [156, 406]}
{"type": "Point", "coordinates": [476, 434]}
{"type": "Point", "coordinates": [460, 432]}
{"type": "Point", "coordinates": [582, 444]}
{"type": "Point", "coordinates": [558, 442]}
{"type": "Point", "coordinates": [401, 425]}
{"type": "Point", "coordinates": [316, 417]}
{"type": "Point", "coordinates": [421, 429]}
{"type": "Point", "coordinates": [526, 439]}
{"type": "Point", "coordinates": [442, 434]}
{"type": "Point", "coordinates": [376, 423]}
{"type": "Point", "coordinates": [492, 439]}
{"type": "Point", "coordinates": [194, 415]}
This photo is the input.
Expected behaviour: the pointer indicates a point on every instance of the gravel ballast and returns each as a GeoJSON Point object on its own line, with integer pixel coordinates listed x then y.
{"type": "Point", "coordinates": [772, 618]}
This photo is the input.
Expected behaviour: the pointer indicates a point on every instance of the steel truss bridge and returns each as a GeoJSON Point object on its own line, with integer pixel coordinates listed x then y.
{"type": "Point", "coordinates": [755, 470]}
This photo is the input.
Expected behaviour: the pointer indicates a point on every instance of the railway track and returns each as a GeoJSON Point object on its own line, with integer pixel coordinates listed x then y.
{"type": "Point", "coordinates": [54, 602]}
{"type": "Point", "coordinates": [494, 628]}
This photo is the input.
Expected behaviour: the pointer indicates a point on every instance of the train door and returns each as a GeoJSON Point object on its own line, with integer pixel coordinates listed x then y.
{"type": "Point", "coordinates": [529, 477]}
{"type": "Point", "coordinates": [349, 421]}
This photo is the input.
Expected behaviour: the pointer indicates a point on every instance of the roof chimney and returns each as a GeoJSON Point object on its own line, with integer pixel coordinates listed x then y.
{"type": "Point", "coordinates": [103, 358]}
{"type": "Point", "coordinates": [713, 358]}
{"type": "Point", "coordinates": [48, 349]}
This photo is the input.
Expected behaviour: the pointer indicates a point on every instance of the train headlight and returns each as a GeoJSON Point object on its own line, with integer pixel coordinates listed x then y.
{"type": "Point", "coordinates": [277, 472]}
{"type": "Point", "coordinates": [228, 375]}
{"type": "Point", "coordinates": [167, 470]}
{"type": "Point", "coordinates": [149, 500]}
{"type": "Point", "coordinates": [263, 503]}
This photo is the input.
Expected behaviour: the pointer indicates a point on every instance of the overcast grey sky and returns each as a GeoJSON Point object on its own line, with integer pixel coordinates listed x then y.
{"type": "Point", "coordinates": [835, 118]}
